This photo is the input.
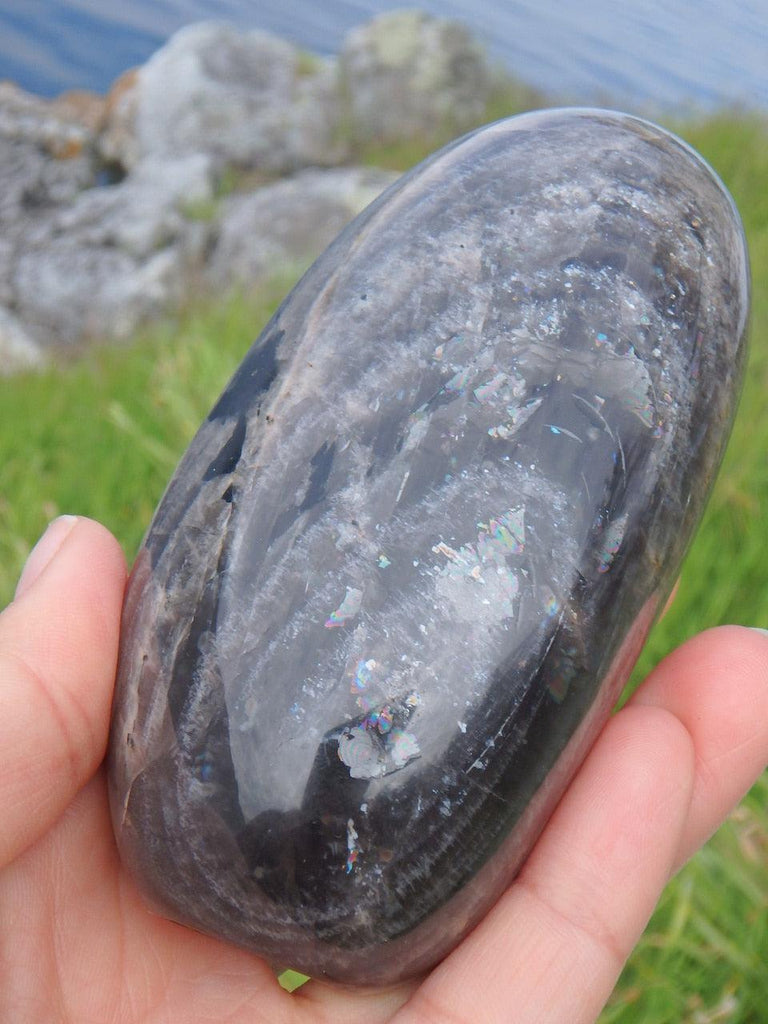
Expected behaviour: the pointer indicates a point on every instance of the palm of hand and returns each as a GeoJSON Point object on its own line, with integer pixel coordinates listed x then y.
{"type": "Point", "coordinates": [77, 945]}
{"type": "Point", "coordinates": [98, 954]}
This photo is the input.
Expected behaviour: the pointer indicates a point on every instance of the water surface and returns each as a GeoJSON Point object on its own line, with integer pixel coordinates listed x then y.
{"type": "Point", "coordinates": [645, 55]}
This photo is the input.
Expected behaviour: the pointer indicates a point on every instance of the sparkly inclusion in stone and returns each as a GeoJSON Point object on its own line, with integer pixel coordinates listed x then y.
{"type": "Point", "coordinates": [408, 561]}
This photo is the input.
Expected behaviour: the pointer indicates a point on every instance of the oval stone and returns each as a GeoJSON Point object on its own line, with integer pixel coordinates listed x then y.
{"type": "Point", "coordinates": [406, 565]}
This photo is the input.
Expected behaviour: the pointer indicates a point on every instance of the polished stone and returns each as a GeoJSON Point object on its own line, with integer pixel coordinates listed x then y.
{"type": "Point", "coordinates": [406, 565]}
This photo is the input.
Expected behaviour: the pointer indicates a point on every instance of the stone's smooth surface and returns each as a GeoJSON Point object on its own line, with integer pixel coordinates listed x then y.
{"type": "Point", "coordinates": [405, 567]}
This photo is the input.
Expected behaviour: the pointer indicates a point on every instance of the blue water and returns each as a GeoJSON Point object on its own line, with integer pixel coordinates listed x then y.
{"type": "Point", "coordinates": [643, 54]}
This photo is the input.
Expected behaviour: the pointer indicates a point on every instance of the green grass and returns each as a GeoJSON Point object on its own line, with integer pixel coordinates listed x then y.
{"type": "Point", "coordinates": [100, 437]}
{"type": "Point", "coordinates": [705, 947]}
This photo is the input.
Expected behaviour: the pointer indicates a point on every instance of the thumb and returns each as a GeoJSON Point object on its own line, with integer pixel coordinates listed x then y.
{"type": "Point", "coordinates": [58, 651]}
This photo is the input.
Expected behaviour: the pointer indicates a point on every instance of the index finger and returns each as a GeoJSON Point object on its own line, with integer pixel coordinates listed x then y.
{"type": "Point", "coordinates": [58, 651]}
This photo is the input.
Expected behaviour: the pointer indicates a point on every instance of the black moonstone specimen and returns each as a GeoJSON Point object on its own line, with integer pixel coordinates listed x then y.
{"type": "Point", "coordinates": [407, 563]}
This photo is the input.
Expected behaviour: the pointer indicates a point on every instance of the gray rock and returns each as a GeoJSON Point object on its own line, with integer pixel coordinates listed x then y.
{"type": "Point", "coordinates": [18, 351]}
{"type": "Point", "coordinates": [69, 293]}
{"type": "Point", "coordinates": [407, 74]}
{"type": "Point", "coordinates": [45, 165]}
{"type": "Point", "coordinates": [63, 129]}
{"type": "Point", "coordinates": [8, 255]}
{"type": "Point", "coordinates": [102, 263]}
{"type": "Point", "coordinates": [116, 143]}
{"type": "Point", "coordinates": [32, 182]}
{"type": "Point", "coordinates": [145, 211]}
{"type": "Point", "coordinates": [249, 99]}
{"type": "Point", "coordinates": [34, 187]}
{"type": "Point", "coordinates": [100, 266]}
{"type": "Point", "coordinates": [289, 223]}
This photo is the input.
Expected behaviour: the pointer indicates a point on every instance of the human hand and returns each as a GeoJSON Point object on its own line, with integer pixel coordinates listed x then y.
{"type": "Point", "coordinates": [77, 944]}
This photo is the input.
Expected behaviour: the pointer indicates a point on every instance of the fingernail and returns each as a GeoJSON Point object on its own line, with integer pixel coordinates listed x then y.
{"type": "Point", "coordinates": [757, 629]}
{"type": "Point", "coordinates": [43, 552]}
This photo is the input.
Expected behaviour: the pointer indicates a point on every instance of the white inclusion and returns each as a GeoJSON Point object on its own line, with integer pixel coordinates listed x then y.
{"type": "Point", "coordinates": [366, 760]}
{"type": "Point", "coordinates": [352, 850]}
{"type": "Point", "coordinates": [348, 608]}
{"type": "Point", "coordinates": [486, 392]}
{"type": "Point", "coordinates": [562, 430]}
{"type": "Point", "coordinates": [416, 433]}
{"type": "Point", "coordinates": [402, 486]}
{"type": "Point", "coordinates": [358, 753]}
{"type": "Point", "coordinates": [614, 535]}
{"type": "Point", "coordinates": [404, 748]}
{"type": "Point", "coordinates": [518, 414]}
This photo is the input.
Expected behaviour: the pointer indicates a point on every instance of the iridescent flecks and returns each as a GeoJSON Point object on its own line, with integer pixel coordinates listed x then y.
{"type": "Point", "coordinates": [375, 748]}
{"type": "Point", "coordinates": [363, 675]}
{"type": "Point", "coordinates": [613, 534]}
{"type": "Point", "coordinates": [361, 660]}
{"type": "Point", "coordinates": [347, 610]}
{"type": "Point", "coordinates": [518, 414]}
{"type": "Point", "coordinates": [352, 850]}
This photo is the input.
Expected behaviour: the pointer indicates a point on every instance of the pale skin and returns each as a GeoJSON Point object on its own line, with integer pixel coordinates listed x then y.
{"type": "Point", "coordinates": [77, 944]}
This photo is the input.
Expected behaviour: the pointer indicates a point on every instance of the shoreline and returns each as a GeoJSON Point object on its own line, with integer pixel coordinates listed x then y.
{"type": "Point", "coordinates": [648, 58]}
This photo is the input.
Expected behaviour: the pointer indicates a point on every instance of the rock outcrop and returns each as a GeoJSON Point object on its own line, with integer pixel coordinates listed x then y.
{"type": "Point", "coordinates": [115, 209]}
{"type": "Point", "coordinates": [304, 213]}
{"type": "Point", "coordinates": [409, 75]}
{"type": "Point", "coordinates": [249, 100]}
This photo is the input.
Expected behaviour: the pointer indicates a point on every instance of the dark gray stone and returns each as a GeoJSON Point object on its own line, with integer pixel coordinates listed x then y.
{"type": "Point", "coordinates": [406, 565]}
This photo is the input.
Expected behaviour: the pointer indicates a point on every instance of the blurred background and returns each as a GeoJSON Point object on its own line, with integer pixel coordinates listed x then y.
{"type": "Point", "coordinates": [97, 426]}
{"type": "Point", "coordinates": [651, 54]}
